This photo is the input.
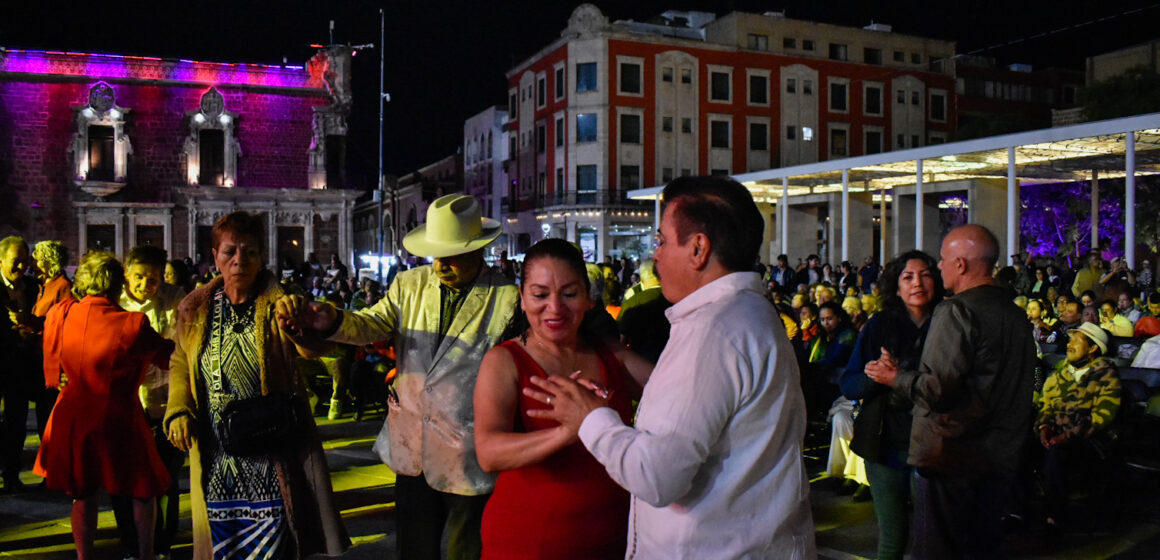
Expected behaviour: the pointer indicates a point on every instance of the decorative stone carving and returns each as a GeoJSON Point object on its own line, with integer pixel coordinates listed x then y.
{"type": "Point", "coordinates": [587, 21]}
{"type": "Point", "coordinates": [102, 97]}
{"type": "Point", "coordinates": [212, 103]}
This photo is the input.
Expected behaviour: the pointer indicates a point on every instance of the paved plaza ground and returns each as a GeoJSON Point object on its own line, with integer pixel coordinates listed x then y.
{"type": "Point", "coordinates": [35, 525]}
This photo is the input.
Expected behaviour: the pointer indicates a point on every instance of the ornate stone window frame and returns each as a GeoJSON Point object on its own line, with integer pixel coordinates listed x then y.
{"type": "Point", "coordinates": [100, 110]}
{"type": "Point", "coordinates": [327, 121]}
{"type": "Point", "coordinates": [212, 115]}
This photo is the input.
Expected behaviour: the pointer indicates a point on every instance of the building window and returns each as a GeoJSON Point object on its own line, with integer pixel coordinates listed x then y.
{"type": "Point", "coordinates": [758, 136]}
{"type": "Point", "coordinates": [586, 184]}
{"type": "Point", "coordinates": [873, 142]}
{"type": "Point", "coordinates": [789, 43]}
{"type": "Point", "coordinates": [686, 172]}
{"type": "Point", "coordinates": [915, 58]}
{"type": "Point", "coordinates": [666, 124]}
{"type": "Point", "coordinates": [873, 100]}
{"type": "Point", "coordinates": [791, 85]}
{"type": "Point", "coordinates": [807, 87]}
{"type": "Point", "coordinates": [211, 149]}
{"type": "Point", "coordinates": [899, 56]}
{"type": "Point", "coordinates": [758, 42]}
{"type": "Point", "coordinates": [900, 141]}
{"type": "Point", "coordinates": [100, 148]}
{"type": "Point", "coordinates": [512, 105]}
{"type": "Point", "coordinates": [838, 142]}
{"type": "Point", "coordinates": [667, 74]}
{"type": "Point", "coordinates": [559, 86]}
{"type": "Point", "coordinates": [938, 106]}
{"type": "Point", "coordinates": [559, 132]}
{"type": "Point", "coordinates": [686, 75]}
{"type": "Point", "coordinates": [630, 129]}
{"type": "Point", "coordinates": [719, 134]}
{"type": "Point", "coordinates": [686, 125]}
{"type": "Point", "coordinates": [541, 138]}
{"type": "Point", "coordinates": [790, 132]}
{"type": "Point", "coordinates": [914, 98]}
{"type": "Point", "coordinates": [936, 139]}
{"type": "Point", "coordinates": [586, 127]}
{"type": "Point", "coordinates": [807, 134]}
{"type": "Point", "coordinates": [719, 172]}
{"type": "Point", "coordinates": [541, 91]}
{"type": "Point", "coordinates": [808, 44]}
{"type": "Point", "coordinates": [759, 90]}
{"type": "Point", "coordinates": [559, 187]}
{"type": "Point", "coordinates": [100, 153]}
{"type": "Point", "coordinates": [630, 176]}
{"type": "Point", "coordinates": [666, 174]}
{"type": "Point", "coordinates": [914, 141]}
{"type": "Point", "coordinates": [838, 51]}
{"type": "Point", "coordinates": [630, 78]}
{"type": "Point", "coordinates": [719, 86]}
{"type": "Point", "coordinates": [872, 56]}
{"type": "Point", "coordinates": [211, 159]}
{"type": "Point", "coordinates": [838, 97]}
{"type": "Point", "coordinates": [900, 97]}
{"type": "Point", "coordinates": [586, 76]}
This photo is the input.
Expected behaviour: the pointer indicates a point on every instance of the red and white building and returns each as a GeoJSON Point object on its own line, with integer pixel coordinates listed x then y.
{"type": "Point", "coordinates": [613, 107]}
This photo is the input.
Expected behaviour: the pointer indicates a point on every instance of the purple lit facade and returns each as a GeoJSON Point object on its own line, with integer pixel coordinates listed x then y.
{"type": "Point", "coordinates": [108, 151]}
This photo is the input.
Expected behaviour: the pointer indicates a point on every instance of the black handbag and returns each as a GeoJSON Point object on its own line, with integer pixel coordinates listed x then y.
{"type": "Point", "coordinates": [266, 425]}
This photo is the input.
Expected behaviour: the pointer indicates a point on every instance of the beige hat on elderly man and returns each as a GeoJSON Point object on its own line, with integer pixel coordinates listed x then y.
{"type": "Point", "coordinates": [454, 226]}
{"type": "Point", "coordinates": [1095, 334]}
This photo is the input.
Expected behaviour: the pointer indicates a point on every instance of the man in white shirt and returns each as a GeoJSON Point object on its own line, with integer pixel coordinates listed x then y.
{"type": "Point", "coordinates": [714, 462]}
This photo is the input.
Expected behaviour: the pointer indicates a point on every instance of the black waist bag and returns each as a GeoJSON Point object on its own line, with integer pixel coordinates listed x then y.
{"type": "Point", "coordinates": [266, 425]}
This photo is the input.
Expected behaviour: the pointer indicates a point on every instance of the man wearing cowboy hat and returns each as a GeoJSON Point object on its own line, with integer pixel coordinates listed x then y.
{"type": "Point", "coordinates": [442, 319]}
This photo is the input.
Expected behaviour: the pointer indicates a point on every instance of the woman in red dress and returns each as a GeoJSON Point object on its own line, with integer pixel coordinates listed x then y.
{"type": "Point", "coordinates": [552, 498]}
{"type": "Point", "coordinates": [97, 437]}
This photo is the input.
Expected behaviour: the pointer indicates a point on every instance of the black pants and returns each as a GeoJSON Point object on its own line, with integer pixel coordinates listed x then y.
{"type": "Point", "coordinates": [15, 394]}
{"type": "Point", "coordinates": [168, 504]}
{"type": "Point", "coordinates": [423, 514]}
{"type": "Point", "coordinates": [958, 517]}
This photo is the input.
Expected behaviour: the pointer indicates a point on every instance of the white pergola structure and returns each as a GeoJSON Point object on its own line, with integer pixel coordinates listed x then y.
{"type": "Point", "coordinates": [1118, 148]}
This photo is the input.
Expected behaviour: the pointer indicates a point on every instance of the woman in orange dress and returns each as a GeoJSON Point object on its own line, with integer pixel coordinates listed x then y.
{"type": "Point", "coordinates": [97, 438]}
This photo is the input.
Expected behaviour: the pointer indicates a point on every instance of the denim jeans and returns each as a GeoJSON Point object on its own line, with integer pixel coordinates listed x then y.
{"type": "Point", "coordinates": [891, 490]}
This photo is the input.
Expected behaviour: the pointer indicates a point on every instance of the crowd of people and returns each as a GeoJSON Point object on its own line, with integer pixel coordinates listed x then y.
{"type": "Point", "coordinates": [556, 408]}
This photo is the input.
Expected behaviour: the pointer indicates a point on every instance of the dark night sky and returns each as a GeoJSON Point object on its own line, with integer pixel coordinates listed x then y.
{"type": "Point", "coordinates": [446, 59]}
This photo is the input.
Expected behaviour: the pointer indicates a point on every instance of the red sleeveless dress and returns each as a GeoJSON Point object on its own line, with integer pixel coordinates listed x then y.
{"type": "Point", "coordinates": [566, 506]}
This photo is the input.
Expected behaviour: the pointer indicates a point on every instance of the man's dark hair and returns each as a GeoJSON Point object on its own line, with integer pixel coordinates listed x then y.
{"type": "Point", "coordinates": [724, 211]}
{"type": "Point", "coordinates": [1154, 298]}
{"type": "Point", "coordinates": [783, 258]}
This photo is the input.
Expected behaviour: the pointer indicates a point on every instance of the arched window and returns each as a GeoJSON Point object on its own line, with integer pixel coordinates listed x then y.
{"type": "Point", "coordinates": [100, 149]}
{"type": "Point", "coordinates": [211, 149]}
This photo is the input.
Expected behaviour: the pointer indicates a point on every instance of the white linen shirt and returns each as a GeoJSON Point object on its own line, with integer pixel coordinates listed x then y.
{"type": "Point", "coordinates": [714, 464]}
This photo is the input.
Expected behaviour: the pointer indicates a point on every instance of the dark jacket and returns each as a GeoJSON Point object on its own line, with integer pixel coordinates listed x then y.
{"type": "Point", "coordinates": [882, 427]}
{"type": "Point", "coordinates": [973, 390]}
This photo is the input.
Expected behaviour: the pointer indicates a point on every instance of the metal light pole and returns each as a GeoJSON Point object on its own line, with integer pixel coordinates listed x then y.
{"type": "Point", "coordinates": [382, 99]}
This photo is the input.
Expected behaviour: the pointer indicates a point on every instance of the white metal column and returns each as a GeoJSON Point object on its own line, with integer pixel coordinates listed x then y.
{"type": "Point", "coordinates": [1130, 199]}
{"type": "Point", "coordinates": [1095, 209]}
{"type": "Point", "coordinates": [882, 228]}
{"type": "Point", "coordinates": [1012, 227]}
{"type": "Point", "coordinates": [784, 215]}
{"type": "Point", "coordinates": [845, 215]}
{"type": "Point", "coordinates": [918, 205]}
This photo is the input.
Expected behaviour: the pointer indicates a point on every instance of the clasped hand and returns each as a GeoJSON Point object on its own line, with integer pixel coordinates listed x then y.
{"type": "Point", "coordinates": [296, 316]}
{"type": "Point", "coordinates": [571, 398]}
{"type": "Point", "coordinates": [883, 370]}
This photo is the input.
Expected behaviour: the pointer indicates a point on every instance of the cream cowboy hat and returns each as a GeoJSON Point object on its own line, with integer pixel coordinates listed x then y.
{"type": "Point", "coordinates": [454, 226]}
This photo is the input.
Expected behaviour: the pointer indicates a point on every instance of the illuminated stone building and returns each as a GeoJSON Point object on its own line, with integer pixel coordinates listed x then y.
{"type": "Point", "coordinates": [107, 152]}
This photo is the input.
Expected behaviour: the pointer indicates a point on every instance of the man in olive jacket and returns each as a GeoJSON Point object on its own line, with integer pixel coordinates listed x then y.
{"type": "Point", "coordinates": [441, 319]}
{"type": "Point", "coordinates": [973, 403]}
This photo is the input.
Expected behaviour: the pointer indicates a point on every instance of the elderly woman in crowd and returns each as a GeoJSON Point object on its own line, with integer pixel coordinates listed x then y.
{"type": "Point", "coordinates": [49, 259]}
{"type": "Point", "coordinates": [882, 427]}
{"type": "Point", "coordinates": [97, 437]}
{"type": "Point", "coordinates": [552, 498]}
{"type": "Point", "coordinates": [276, 504]}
